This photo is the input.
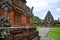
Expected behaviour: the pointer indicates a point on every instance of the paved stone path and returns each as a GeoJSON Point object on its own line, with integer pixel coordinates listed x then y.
{"type": "Point", "coordinates": [43, 32]}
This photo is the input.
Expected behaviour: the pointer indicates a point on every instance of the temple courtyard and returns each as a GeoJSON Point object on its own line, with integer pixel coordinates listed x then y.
{"type": "Point", "coordinates": [48, 33]}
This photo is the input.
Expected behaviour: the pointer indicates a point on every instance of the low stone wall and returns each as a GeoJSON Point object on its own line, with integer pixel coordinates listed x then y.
{"type": "Point", "coordinates": [19, 33]}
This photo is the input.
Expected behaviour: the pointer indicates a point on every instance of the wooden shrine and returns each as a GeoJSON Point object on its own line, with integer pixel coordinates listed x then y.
{"type": "Point", "coordinates": [49, 20]}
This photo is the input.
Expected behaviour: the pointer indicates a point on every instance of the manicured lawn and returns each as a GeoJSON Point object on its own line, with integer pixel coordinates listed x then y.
{"type": "Point", "coordinates": [56, 28]}
{"type": "Point", "coordinates": [54, 33]}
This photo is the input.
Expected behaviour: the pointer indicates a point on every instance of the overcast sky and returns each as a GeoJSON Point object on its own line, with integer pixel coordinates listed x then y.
{"type": "Point", "coordinates": [42, 6]}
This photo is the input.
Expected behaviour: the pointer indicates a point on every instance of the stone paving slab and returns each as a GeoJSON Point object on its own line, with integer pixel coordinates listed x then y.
{"type": "Point", "coordinates": [43, 32]}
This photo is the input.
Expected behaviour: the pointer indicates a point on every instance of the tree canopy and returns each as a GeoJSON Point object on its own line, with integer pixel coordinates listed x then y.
{"type": "Point", "coordinates": [36, 19]}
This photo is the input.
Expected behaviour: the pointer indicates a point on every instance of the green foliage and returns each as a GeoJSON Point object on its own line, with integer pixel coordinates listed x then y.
{"type": "Point", "coordinates": [36, 19]}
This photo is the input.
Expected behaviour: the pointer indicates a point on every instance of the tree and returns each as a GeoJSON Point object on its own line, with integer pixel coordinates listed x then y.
{"type": "Point", "coordinates": [36, 19]}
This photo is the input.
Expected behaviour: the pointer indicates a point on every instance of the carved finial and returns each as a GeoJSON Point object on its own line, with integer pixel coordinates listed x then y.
{"type": "Point", "coordinates": [32, 9]}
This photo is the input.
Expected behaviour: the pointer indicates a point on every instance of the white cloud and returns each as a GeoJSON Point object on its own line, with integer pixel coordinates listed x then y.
{"type": "Point", "coordinates": [31, 3]}
{"type": "Point", "coordinates": [37, 4]}
{"type": "Point", "coordinates": [58, 9]}
{"type": "Point", "coordinates": [41, 5]}
{"type": "Point", "coordinates": [55, 1]}
{"type": "Point", "coordinates": [51, 1]}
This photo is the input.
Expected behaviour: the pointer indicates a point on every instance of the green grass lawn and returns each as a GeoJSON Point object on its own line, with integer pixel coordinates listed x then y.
{"type": "Point", "coordinates": [54, 33]}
